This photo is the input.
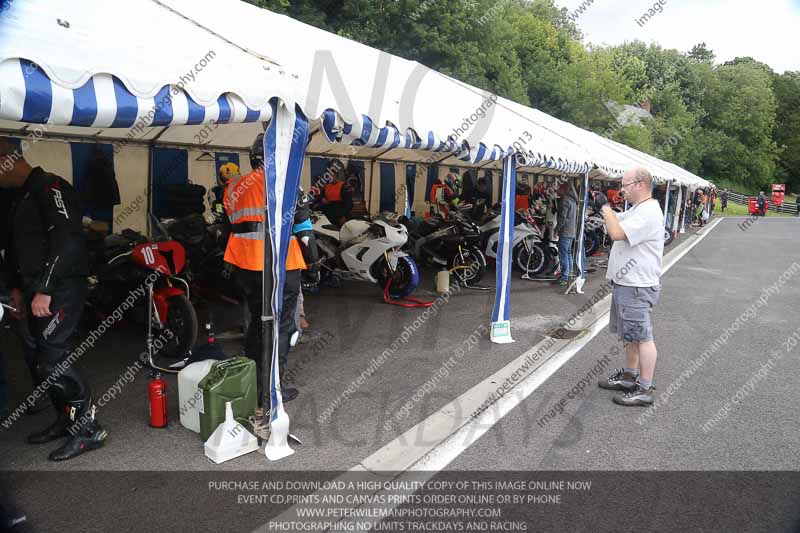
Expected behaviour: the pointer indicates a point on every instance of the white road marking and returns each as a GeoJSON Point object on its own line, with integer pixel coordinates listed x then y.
{"type": "Point", "coordinates": [452, 430]}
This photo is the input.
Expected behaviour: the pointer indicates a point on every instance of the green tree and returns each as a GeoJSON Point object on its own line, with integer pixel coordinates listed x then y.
{"type": "Point", "coordinates": [700, 53]}
{"type": "Point", "coordinates": [787, 128]}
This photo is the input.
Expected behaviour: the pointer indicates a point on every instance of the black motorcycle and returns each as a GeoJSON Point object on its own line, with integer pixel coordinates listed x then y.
{"type": "Point", "coordinates": [206, 271]}
{"type": "Point", "coordinates": [448, 242]}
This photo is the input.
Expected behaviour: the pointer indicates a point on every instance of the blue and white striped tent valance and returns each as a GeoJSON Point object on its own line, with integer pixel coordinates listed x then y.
{"type": "Point", "coordinates": [28, 95]}
{"type": "Point", "coordinates": [369, 135]}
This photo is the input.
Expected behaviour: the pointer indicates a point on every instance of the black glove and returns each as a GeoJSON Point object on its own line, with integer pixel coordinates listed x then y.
{"type": "Point", "coordinates": [312, 276]}
{"type": "Point", "coordinates": [599, 200]}
{"type": "Point", "coordinates": [227, 271]}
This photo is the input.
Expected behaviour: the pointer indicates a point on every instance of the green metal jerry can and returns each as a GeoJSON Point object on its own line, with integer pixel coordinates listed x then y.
{"type": "Point", "coordinates": [232, 380]}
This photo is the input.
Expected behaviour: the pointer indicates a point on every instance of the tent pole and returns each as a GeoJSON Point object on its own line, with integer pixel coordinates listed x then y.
{"type": "Point", "coordinates": [149, 227]}
{"type": "Point", "coordinates": [579, 241]}
{"type": "Point", "coordinates": [371, 184]}
{"type": "Point", "coordinates": [285, 143]}
{"type": "Point", "coordinates": [500, 331]}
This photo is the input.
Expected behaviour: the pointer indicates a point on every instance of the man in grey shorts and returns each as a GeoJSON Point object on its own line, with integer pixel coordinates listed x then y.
{"type": "Point", "coordinates": [634, 271]}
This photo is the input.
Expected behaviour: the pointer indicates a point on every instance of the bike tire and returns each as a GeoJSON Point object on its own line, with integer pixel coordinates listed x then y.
{"type": "Point", "coordinates": [404, 280]}
{"type": "Point", "coordinates": [182, 322]}
{"type": "Point", "coordinates": [530, 261]}
{"type": "Point", "coordinates": [470, 268]}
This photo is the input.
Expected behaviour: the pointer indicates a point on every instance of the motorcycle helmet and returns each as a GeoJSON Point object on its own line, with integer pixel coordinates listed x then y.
{"type": "Point", "coordinates": [257, 152]}
{"type": "Point", "coordinates": [227, 172]}
{"type": "Point", "coordinates": [454, 183]}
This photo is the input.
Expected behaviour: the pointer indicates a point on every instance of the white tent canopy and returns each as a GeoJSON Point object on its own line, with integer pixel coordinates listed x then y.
{"type": "Point", "coordinates": [229, 72]}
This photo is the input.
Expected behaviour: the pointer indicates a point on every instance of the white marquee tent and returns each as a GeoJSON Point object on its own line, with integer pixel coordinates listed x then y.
{"type": "Point", "coordinates": [147, 73]}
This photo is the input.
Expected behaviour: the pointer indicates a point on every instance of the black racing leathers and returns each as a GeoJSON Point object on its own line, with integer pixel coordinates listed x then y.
{"type": "Point", "coordinates": [47, 255]}
{"type": "Point", "coordinates": [47, 248]}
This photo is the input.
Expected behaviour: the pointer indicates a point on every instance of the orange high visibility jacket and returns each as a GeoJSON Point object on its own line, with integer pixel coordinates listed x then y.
{"type": "Point", "coordinates": [244, 202]}
{"type": "Point", "coordinates": [333, 191]}
{"type": "Point", "coordinates": [294, 259]}
{"type": "Point", "coordinates": [436, 202]}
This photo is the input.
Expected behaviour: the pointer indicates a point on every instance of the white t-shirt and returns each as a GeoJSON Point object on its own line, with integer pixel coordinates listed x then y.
{"type": "Point", "coordinates": [636, 262]}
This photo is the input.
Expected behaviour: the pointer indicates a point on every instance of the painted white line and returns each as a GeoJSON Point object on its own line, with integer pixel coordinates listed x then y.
{"type": "Point", "coordinates": [453, 429]}
{"type": "Point", "coordinates": [391, 458]}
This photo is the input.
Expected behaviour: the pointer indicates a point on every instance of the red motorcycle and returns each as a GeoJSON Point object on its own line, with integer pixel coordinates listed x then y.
{"type": "Point", "coordinates": [139, 280]}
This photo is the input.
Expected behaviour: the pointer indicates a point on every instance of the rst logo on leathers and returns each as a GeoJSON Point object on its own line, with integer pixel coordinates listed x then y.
{"type": "Point", "coordinates": [57, 319]}
{"type": "Point", "coordinates": [59, 201]}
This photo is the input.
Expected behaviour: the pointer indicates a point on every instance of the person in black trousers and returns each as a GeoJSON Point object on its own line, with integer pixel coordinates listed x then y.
{"type": "Point", "coordinates": [46, 272]}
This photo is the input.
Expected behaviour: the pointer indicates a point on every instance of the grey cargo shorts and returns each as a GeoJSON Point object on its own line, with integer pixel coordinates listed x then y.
{"type": "Point", "coordinates": [631, 308]}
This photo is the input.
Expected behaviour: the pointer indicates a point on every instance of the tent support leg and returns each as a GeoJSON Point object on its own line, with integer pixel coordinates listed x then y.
{"type": "Point", "coordinates": [578, 283]}
{"type": "Point", "coordinates": [285, 144]}
{"type": "Point", "coordinates": [500, 332]}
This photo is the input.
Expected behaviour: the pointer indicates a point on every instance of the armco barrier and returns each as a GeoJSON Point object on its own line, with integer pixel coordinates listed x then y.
{"type": "Point", "coordinates": [743, 199]}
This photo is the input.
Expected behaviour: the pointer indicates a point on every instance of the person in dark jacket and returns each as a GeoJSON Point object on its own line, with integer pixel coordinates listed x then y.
{"type": "Point", "coordinates": [46, 272]}
{"type": "Point", "coordinates": [762, 204]}
{"type": "Point", "coordinates": [567, 228]}
{"type": "Point", "coordinates": [8, 198]}
{"type": "Point", "coordinates": [724, 200]}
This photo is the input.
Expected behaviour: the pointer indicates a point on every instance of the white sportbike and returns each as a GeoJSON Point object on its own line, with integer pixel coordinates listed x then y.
{"type": "Point", "coordinates": [367, 251]}
{"type": "Point", "coordinates": [527, 249]}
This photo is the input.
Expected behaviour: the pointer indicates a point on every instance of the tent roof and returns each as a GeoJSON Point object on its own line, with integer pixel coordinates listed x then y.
{"type": "Point", "coordinates": [106, 74]}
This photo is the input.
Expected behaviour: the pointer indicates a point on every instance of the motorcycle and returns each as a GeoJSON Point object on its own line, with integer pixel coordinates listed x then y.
{"type": "Point", "coordinates": [366, 251]}
{"type": "Point", "coordinates": [527, 252]}
{"type": "Point", "coordinates": [206, 271]}
{"type": "Point", "coordinates": [595, 234]}
{"type": "Point", "coordinates": [452, 243]}
{"type": "Point", "coordinates": [122, 266]}
{"type": "Point", "coordinates": [533, 261]}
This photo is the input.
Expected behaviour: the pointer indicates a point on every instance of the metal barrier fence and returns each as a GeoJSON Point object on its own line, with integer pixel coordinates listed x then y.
{"type": "Point", "coordinates": [743, 199]}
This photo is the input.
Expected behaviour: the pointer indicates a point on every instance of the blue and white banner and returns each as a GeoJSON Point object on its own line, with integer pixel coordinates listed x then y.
{"type": "Point", "coordinates": [677, 210]}
{"type": "Point", "coordinates": [28, 95]}
{"type": "Point", "coordinates": [367, 133]}
{"type": "Point", "coordinates": [501, 324]}
{"type": "Point", "coordinates": [285, 143]}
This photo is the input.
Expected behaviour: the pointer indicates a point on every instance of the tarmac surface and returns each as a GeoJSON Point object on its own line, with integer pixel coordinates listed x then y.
{"type": "Point", "coordinates": [703, 295]}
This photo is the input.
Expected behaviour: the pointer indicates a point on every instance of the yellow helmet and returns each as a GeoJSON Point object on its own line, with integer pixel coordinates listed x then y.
{"type": "Point", "coordinates": [229, 171]}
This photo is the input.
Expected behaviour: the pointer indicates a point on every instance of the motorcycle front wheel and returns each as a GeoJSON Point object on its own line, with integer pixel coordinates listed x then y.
{"type": "Point", "coordinates": [530, 259]}
{"type": "Point", "coordinates": [404, 279]}
{"type": "Point", "coordinates": [590, 242]}
{"type": "Point", "coordinates": [182, 326]}
{"type": "Point", "coordinates": [468, 266]}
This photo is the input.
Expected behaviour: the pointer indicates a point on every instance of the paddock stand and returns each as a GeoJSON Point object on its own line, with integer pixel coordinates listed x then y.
{"type": "Point", "coordinates": [467, 285]}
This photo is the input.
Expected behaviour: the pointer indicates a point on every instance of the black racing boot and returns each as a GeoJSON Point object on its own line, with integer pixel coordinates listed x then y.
{"type": "Point", "coordinates": [57, 430]}
{"type": "Point", "coordinates": [288, 391]}
{"type": "Point", "coordinates": [87, 434]}
{"type": "Point", "coordinates": [42, 404]}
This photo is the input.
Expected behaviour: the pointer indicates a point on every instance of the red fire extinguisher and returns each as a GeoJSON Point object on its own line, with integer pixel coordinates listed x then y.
{"type": "Point", "coordinates": [158, 401]}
